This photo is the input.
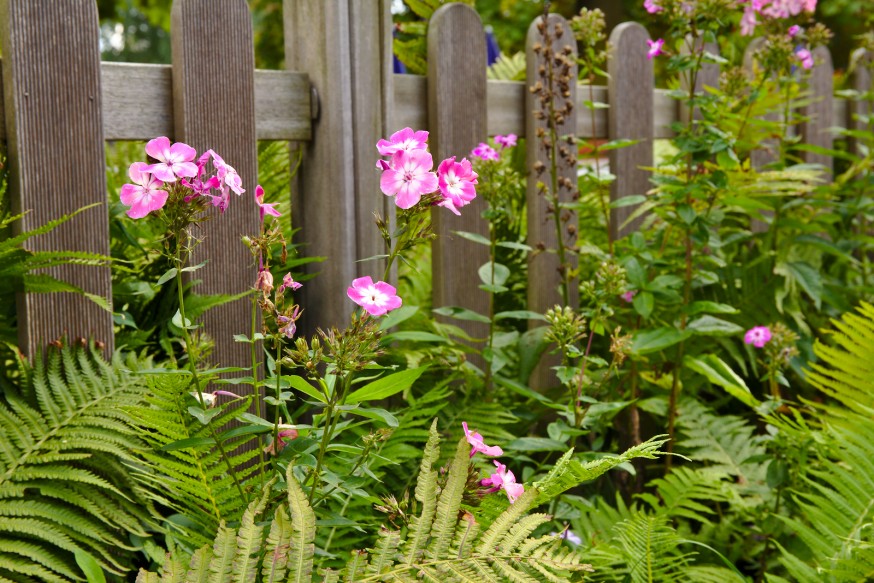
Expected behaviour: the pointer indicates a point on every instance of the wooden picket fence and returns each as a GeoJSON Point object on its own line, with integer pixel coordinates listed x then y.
{"type": "Point", "coordinates": [337, 97]}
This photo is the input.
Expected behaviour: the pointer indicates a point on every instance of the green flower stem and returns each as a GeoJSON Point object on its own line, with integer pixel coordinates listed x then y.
{"type": "Point", "coordinates": [493, 252]}
{"type": "Point", "coordinates": [331, 417]}
{"type": "Point", "coordinates": [192, 366]}
{"type": "Point", "coordinates": [255, 388]}
{"type": "Point", "coordinates": [279, 401]}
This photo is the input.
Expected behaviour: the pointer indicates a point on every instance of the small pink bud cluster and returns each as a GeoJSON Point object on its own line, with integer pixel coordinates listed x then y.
{"type": "Point", "coordinates": [408, 176]}
{"type": "Point", "coordinates": [175, 163]}
{"type": "Point", "coordinates": [502, 479]}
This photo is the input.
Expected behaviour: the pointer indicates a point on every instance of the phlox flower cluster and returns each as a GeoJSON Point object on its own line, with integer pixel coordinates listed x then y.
{"type": "Point", "coordinates": [408, 173]}
{"type": "Point", "coordinates": [502, 478]}
{"type": "Point", "coordinates": [484, 151]}
{"type": "Point", "coordinates": [758, 336]}
{"type": "Point", "coordinates": [175, 170]}
{"type": "Point", "coordinates": [771, 9]}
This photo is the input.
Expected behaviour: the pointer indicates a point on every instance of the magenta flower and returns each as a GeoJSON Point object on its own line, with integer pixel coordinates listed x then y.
{"type": "Point", "coordinates": [456, 181]}
{"type": "Point", "coordinates": [805, 57]}
{"type": "Point", "coordinates": [485, 152]}
{"type": "Point", "coordinates": [478, 445]}
{"type": "Point", "coordinates": [288, 282]}
{"type": "Point", "coordinates": [146, 195]}
{"type": "Point", "coordinates": [655, 48]}
{"type": "Point", "coordinates": [174, 160]}
{"type": "Point", "coordinates": [404, 140]}
{"type": "Point", "coordinates": [629, 295]}
{"type": "Point", "coordinates": [264, 281]}
{"type": "Point", "coordinates": [507, 141]}
{"type": "Point", "coordinates": [285, 434]}
{"type": "Point", "coordinates": [793, 31]}
{"type": "Point", "coordinates": [376, 298]}
{"type": "Point", "coordinates": [652, 7]}
{"type": "Point", "coordinates": [227, 176]}
{"type": "Point", "coordinates": [504, 479]}
{"type": "Point", "coordinates": [758, 336]}
{"type": "Point", "coordinates": [198, 187]}
{"type": "Point", "coordinates": [409, 177]}
{"type": "Point", "coordinates": [264, 208]}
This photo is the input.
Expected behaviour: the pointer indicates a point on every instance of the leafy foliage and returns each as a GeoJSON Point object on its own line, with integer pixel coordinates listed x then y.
{"type": "Point", "coordinates": [64, 489]}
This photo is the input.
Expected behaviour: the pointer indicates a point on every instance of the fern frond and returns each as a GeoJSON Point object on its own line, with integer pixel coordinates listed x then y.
{"type": "Point", "coordinates": [277, 545]}
{"type": "Point", "coordinates": [685, 493]}
{"type": "Point", "coordinates": [426, 490]}
{"type": "Point", "coordinates": [62, 487]}
{"type": "Point", "coordinates": [300, 563]}
{"type": "Point", "coordinates": [449, 501]}
{"type": "Point", "coordinates": [223, 549]}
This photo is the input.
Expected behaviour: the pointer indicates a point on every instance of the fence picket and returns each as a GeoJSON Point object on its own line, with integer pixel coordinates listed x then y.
{"type": "Point", "coordinates": [54, 131]}
{"type": "Point", "coordinates": [544, 267]}
{"type": "Point", "coordinates": [860, 106]}
{"type": "Point", "coordinates": [214, 107]}
{"type": "Point", "coordinates": [457, 123]}
{"type": "Point", "coordinates": [819, 112]}
{"type": "Point", "coordinates": [631, 115]}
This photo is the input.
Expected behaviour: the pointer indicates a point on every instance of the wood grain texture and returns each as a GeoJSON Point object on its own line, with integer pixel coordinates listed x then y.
{"type": "Point", "coordinates": [52, 105]}
{"type": "Point", "coordinates": [631, 113]}
{"type": "Point", "coordinates": [457, 123]}
{"type": "Point", "coordinates": [767, 151]}
{"type": "Point", "coordinates": [861, 82]}
{"type": "Point", "coordinates": [212, 40]}
{"type": "Point", "coordinates": [707, 75]}
{"type": "Point", "coordinates": [372, 93]}
{"type": "Point", "coordinates": [317, 42]}
{"type": "Point", "coordinates": [544, 266]}
{"type": "Point", "coordinates": [138, 103]}
{"type": "Point", "coordinates": [814, 129]}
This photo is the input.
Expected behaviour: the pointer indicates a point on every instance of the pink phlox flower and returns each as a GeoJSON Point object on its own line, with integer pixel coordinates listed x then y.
{"type": "Point", "coordinates": [226, 174]}
{"type": "Point", "coordinates": [478, 445]}
{"type": "Point", "coordinates": [456, 181]}
{"type": "Point", "coordinates": [288, 282]}
{"type": "Point", "coordinates": [629, 295]}
{"type": "Point", "coordinates": [404, 140]}
{"type": "Point", "coordinates": [288, 324]}
{"type": "Point", "coordinates": [264, 281]}
{"type": "Point", "coordinates": [748, 21]}
{"type": "Point", "coordinates": [503, 479]}
{"type": "Point", "coordinates": [173, 160]}
{"type": "Point", "coordinates": [382, 165]}
{"type": "Point", "coordinates": [145, 195]}
{"type": "Point", "coordinates": [485, 152]}
{"type": "Point", "coordinates": [264, 208]}
{"type": "Point", "coordinates": [198, 187]}
{"type": "Point", "coordinates": [655, 48]}
{"type": "Point", "coordinates": [652, 7]}
{"type": "Point", "coordinates": [220, 200]}
{"type": "Point", "coordinates": [286, 433]}
{"type": "Point", "coordinates": [376, 298]}
{"type": "Point", "coordinates": [209, 399]}
{"type": "Point", "coordinates": [507, 141]}
{"type": "Point", "coordinates": [758, 336]}
{"type": "Point", "coordinates": [793, 31]}
{"type": "Point", "coordinates": [806, 58]}
{"type": "Point", "coordinates": [409, 177]}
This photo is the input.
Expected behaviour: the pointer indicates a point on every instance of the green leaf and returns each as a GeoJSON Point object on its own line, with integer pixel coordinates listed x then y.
{"type": "Point", "coordinates": [377, 414]}
{"type": "Point", "coordinates": [177, 321]}
{"type": "Point", "coordinates": [710, 308]}
{"type": "Point", "coordinates": [170, 274]}
{"type": "Point", "coordinates": [808, 278]}
{"type": "Point", "coordinates": [386, 386]}
{"type": "Point", "coordinates": [90, 567]}
{"type": "Point", "coordinates": [194, 267]}
{"type": "Point", "coordinates": [415, 336]}
{"type": "Point", "coordinates": [501, 273]}
{"type": "Point", "coordinates": [302, 385]}
{"type": "Point", "coordinates": [461, 314]}
{"type": "Point", "coordinates": [643, 303]}
{"type": "Point", "coordinates": [649, 341]}
{"type": "Point", "coordinates": [719, 373]}
{"type": "Point", "coordinates": [514, 245]}
{"type": "Point", "coordinates": [536, 444]}
{"type": "Point", "coordinates": [521, 389]}
{"type": "Point", "coordinates": [520, 315]}
{"type": "Point", "coordinates": [476, 238]}
{"type": "Point", "coordinates": [194, 442]}
{"type": "Point", "coordinates": [628, 201]}
{"type": "Point", "coordinates": [712, 326]}
{"type": "Point", "coordinates": [395, 317]}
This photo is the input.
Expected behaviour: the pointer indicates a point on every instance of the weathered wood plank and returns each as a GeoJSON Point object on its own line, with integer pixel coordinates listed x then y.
{"type": "Point", "coordinates": [220, 115]}
{"type": "Point", "coordinates": [814, 130]}
{"type": "Point", "coordinates": [550, 44]}
{"type": "Point", "coordinates": [457, 123]}
{"type": "Point", "coordinates": [138, 103]}
{"type": "Point", "coordinates": [631, 113]}
{"type": "Point", "coordinates": [317, 42]}
{"type": "Point", "coordinates": [372, 93]}
{"type": "Point", "coordinates": [861, 82]}
{"type": "Point", "coordinates": [51, 81]}
{"type": "Point", "coordinates": [706, 76]}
